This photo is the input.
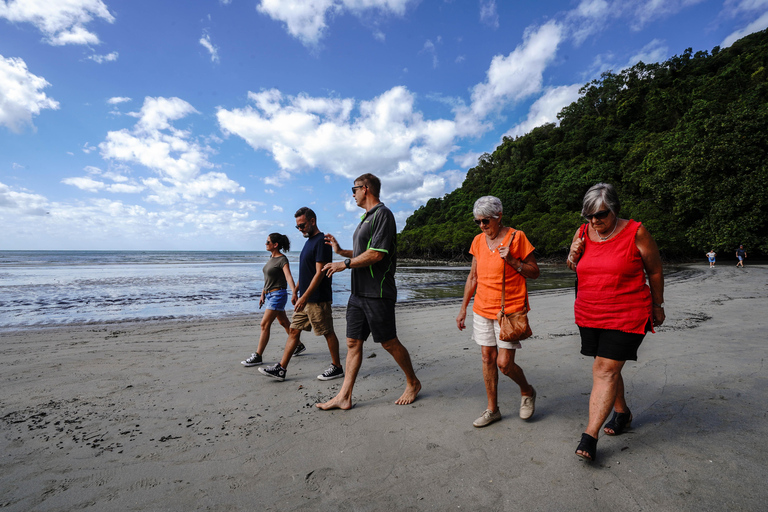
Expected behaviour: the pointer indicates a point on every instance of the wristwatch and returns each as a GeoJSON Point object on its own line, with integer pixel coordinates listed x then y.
{"type": "Point", "coordinates": [659, 305]}
{"type": "Point", "coordinates": [520, 268]}
{"type": "Point", "coordinates": [347, 262]}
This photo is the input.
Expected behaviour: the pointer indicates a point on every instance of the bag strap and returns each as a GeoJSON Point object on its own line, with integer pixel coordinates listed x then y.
{"type": "Point", "coordinates": [504, 275]}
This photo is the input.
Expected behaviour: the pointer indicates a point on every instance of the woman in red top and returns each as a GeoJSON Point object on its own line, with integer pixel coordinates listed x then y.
{"type": "Point", "coordinates": [492, 250]}
{"type": "Point", "coordinates": [614, 306]}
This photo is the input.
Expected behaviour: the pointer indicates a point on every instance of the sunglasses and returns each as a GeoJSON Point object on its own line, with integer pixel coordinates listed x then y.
{"type": "Point", "coordinates": [301, 226]}
{"type": "Point", "coordinates": [598, 215]}
{"type": "Point", "coordinates": [268, 242]}
{"type": "Point", "coordinates": [354, 189]}
{"type": "Point", "coordinates": [485, 221]}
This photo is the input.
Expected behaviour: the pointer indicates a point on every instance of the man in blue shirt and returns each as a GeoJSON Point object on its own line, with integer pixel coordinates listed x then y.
{"type": "Point", "coordinates": [371, 307]}
{"type": "Point", "coordinates": [312, 303]}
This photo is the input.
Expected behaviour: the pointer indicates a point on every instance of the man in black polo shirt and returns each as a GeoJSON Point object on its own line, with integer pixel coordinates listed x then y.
{"type": "Point", "coordinates": [371, 307]}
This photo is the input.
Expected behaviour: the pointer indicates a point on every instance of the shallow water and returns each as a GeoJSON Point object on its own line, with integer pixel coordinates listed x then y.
{"type": "Point", "coordinates": [62, 287]}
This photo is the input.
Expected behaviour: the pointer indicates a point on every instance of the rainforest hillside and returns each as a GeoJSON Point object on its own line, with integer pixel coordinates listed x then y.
{"type": "Point", "coordinates": [684, 141]}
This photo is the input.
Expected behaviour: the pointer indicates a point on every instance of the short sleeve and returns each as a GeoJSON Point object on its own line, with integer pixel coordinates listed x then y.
{"type": "Point", "coordinates": [523, 247]}
{"type": "Point", "coordinates": [383, 231]}
{"type": "Point", "coordinates": [323, 252]}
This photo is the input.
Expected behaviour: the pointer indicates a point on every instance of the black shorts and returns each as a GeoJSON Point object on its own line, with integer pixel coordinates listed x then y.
{"type": "Point", "coordinates": [610, 344]}
{"type": "Point", "coordinates": [367, 316]}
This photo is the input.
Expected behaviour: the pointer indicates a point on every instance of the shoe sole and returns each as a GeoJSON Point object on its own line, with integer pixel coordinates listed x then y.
{"type": "Point", "coordinates": [299, 352]}
{"type": "Point", "coordinates": [248, 365]}
{"type": "Point", "coordinates": [281, 379]}
{"type": "Point", "coordinates": [320, 377]}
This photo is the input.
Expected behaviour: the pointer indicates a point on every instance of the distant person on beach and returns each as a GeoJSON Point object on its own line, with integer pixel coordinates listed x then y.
{"type": "Point", "coordinates": [614, 306]}
{"type": "Point", "coordinates": [741, 255]}
{"type": "Point", "coordinates": [711, 256]}
{"type": "Point", "coordinates": [277, 277]}
{"type": "Point", "coordinates": [312, 303]}
{"type": "Point", "coordinates": [499, 253]}
{"type": "Point", "coordinates": [371, 306]}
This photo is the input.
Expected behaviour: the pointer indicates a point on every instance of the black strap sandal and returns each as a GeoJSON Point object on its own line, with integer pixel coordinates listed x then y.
{"type": "Point", "coordinates": [620, 422]}
{"type": "Point", "coordinates": [588, 445]}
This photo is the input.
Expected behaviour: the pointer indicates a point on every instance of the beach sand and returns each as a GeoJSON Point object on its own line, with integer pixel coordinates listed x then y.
{"type": "Point", "coordinates": [162, 416]}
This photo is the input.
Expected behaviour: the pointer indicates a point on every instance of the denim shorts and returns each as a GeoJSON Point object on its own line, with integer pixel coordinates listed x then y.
{"type": "Point", "coordinates": [276, 299]}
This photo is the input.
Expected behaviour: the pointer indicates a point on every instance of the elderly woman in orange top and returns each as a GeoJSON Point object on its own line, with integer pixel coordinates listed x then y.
{"type": "Point", "coordinates": [614, 306]}
{"type": "Point", "coordinates": [496, 248]}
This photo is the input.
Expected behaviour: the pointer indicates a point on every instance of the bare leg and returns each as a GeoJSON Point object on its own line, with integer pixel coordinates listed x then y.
{"type": "Point", "coordinates": [294, 335]}
{"type": "Point", "coordinates": [490, 376]}
{"type": "Point", "coordinates": [403, 359]}
{"type": "Point", "coordinates": [343, 400]}
{"type": "Point", "coordinates": [606, 374]}
{"type": "Point", "coordinates": [333, 348]}
{"type": "Point", "coordinates": [507, 365]}
{"type": "Point", "coordinates": [282, 318]}
{"type": "Point", "coordinates": [266, 325]}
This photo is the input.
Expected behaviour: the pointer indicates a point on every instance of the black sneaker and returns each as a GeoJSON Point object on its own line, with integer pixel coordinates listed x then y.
{"type": "Point", "coordinates": [300, 348]}
{"type": "Point", "coordinates": [277, 372]}
{"type": "Point", "coordinates": [254, 360]}
{"type": "Point", "coordinates": [333, 372]}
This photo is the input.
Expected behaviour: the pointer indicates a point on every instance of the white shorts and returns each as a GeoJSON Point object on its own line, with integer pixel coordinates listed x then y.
{"type": "Point", "coordinates": [486, 334]}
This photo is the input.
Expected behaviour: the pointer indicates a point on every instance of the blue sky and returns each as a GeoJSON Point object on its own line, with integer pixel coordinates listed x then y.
{"type": "Point", "coordinates": [205, 124]}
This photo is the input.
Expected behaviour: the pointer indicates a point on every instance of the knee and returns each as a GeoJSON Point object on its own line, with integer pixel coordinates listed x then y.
{"type": "Point", "coordinates": [391, 345]}
{"type": "Point", "coordinates": [265, 324]}
{"type": "Point", "coordinates": [489, 358]}
{"type": "Point", "coordinates": [354, 345]}
{"type": "Point", "coordinates": [606, 372]}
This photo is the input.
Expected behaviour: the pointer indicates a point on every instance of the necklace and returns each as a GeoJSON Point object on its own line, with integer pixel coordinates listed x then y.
{"type": "Point", "coordinates": [604, 238]}
{"type": "Point", "coordinates": [489, 241]}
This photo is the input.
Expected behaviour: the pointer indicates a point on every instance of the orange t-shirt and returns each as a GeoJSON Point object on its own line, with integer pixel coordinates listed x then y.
{"type": "Point", "coordinates": [490, 271]}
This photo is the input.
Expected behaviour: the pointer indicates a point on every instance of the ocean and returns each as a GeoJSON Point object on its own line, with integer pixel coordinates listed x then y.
{"type": "Point", "coordinates": [42, 288]}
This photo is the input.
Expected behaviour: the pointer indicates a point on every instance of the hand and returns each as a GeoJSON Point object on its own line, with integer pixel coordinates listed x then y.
{"type": "Point", "coordinates": [460, 319]}
{"type": "Point", "coordinates": [658, 316]}
{"type": "Point", "coordinates": [261, 301]}
{"type": "Point", "coordinates": [574, 255]}
{"type": "Point", "coordinates": [294, 297]}
{"type": "Point", "coordinates": [299, 304]}
{"type": "Point", "coordinates": [504, 252]}
{"type": "Point", "coordinates": [332, 268]}
{"type": "Point", "coordinates": [331, 240]}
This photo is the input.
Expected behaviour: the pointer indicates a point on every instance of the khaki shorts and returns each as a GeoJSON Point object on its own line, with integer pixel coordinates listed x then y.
{"type": "Point", "coordinates": [317, 316]}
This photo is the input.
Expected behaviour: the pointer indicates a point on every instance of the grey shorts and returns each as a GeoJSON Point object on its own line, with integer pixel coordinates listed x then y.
{"type": "Point", "coordinates": [366, 316]}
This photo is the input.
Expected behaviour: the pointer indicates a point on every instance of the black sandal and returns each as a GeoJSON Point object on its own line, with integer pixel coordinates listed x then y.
{"type": "Point", "coordinates": [588, 445]}
{"type": "Point", "coordinates": [620, 422]}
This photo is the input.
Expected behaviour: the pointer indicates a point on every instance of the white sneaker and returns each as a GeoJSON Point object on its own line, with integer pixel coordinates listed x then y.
{"type": "Point", "coordinates": [527, 406]}
{"type": "Point", "coordinates": [487, 418]}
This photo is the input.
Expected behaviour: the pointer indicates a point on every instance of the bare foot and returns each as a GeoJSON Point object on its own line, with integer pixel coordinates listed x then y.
{"type": "Point", "coordinates": [336, 402]}
{"type": "Point", "coordinates": [409, 395]}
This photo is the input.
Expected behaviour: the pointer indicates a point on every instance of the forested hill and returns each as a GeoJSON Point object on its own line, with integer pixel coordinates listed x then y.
{"type": "Point", "coordinates": [685, 142]}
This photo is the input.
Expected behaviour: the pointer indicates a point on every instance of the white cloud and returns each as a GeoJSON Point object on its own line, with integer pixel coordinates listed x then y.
{"type": "Point", "coordinates": [759, 24]}
{"type": "Point", "coordinates": [117, 100]}
{"type": "Point", "coordinates": [655, 51]}
{"type": "Point", "coordinates": [61, 21]}
{"type": "Point", "coordinates": [277, 208]}
{"type": "Point", "coordinates": [467, 160]}
{"type": "Point", "coordinates": [172, 153]}
{"type": "Point", "coordinates": [100, 59]}
{"type": "Point", "coordinates": [519, 74]}
{"type": "Point", "coordinates": [306, 19]}
{"type": "Point", "coordinates": [387, 137]}
{"type": "Point", "coordinates": [84, 183]}
{"type": "Point", "coordinates": [20, 202]}
{"type": "Point", "coordinates": [488, 13]}
{"type": "Point", "coordinates": [645, 11]}
{"type": "Point", "coordinates": [545, 109]}
{"type": "Point", "coordinates": [430, 49]}
{"type": "Point", "coordinates": [21, 95]}
{"type": "Point", "coordinates": [208, 45]}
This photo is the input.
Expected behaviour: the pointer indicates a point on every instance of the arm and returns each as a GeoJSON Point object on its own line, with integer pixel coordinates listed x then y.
{"type": "Point", "coordinates": [366, 259]}
{"type": "Point", "coordinates": [289, 277]}
{"type": "Point", "coordinates": [316, 279]}
{"type": "Point", "coordinates": [331, 240]}
{"type": "Point", "coordinates": [528, 266]}
{"type": "Point", "coordinates": [649, 252]}
{"type": "Point", "coordinates": [469, 291]}
{"type": "Point", "coordinates": [577, 249]}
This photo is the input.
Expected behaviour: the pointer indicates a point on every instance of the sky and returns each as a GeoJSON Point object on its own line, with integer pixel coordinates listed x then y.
{"type": "Point", "coordinates": [205, 124]}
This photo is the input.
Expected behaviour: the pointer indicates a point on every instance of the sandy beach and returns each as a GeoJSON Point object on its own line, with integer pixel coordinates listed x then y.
{"type": "Point", "coordinates": [162, 416]}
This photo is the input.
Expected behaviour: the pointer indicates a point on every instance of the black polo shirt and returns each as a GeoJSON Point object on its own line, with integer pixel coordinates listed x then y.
{"type": "Point", "coordinates": [377, 230]}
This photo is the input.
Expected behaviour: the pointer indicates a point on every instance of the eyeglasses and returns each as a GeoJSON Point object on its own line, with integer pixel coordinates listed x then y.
{"type": "Point", "coordinates": [301, 226]}
{"type": "Point", "coordinates": [354, 189]}
{"type": "Point", "coordinates": [485, 221]}
{"type": "Point", "coordinates": [268, 242]}
{"type": "Point", "coordinates": [598, 215]}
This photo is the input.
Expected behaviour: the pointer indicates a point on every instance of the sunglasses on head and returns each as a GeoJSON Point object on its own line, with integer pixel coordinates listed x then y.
{"type": "Point", "coordinates": [598, 215]}
{"type": "Point", "coordinates": [485, 221]}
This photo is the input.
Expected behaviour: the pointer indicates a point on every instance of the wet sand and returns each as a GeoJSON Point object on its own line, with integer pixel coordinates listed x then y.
{"type": "Point", "coordinates": [162, 416]}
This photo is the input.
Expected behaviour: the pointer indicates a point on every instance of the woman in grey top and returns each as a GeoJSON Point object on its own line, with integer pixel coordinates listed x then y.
{"type": "Point", "coordinates": [277, 277]}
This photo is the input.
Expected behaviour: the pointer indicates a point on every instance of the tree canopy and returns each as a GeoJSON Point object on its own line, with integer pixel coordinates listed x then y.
{"type": "Point", "coordinates": [684, 142]}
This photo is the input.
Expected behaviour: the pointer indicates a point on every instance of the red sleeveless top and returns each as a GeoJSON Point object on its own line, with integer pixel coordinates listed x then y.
{"type": "Point", "coordinates": [612, 291]}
